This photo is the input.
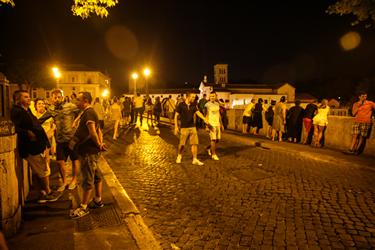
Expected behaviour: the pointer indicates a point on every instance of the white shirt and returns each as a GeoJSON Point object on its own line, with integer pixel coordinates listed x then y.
{"type": "Point", "coordinates": [138, 102]}
{"type": "Point", "coordinates": [213, 111]}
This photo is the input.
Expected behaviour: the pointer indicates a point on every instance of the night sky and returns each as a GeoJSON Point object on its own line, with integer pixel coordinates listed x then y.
{"type": "Point", "coordinates": [262, 41]}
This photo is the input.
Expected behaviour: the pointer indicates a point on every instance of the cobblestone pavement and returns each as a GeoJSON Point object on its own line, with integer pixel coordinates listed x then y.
{"type": "Point", "coordinates": [253, 198]}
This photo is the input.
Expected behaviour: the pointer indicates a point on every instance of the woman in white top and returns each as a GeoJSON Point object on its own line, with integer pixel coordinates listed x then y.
{"type": "Point", "coordinates": [116, 117]}
{"type": "Point", "coordinates": [320, 122]}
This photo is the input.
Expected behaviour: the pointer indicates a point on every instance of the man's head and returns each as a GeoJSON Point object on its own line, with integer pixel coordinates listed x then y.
{"type": "Point", "coordinates": [21, 97]}
{"type": "Point", "coordinates": [84, 99]}
{"type": "Point", "coordinates": [57, 97]}
{"type": "Point", "coordinates": [190, 97]}
{"type": "Point", "coordinates": [213, 97]}
{"type": "Point", "coordinates": [362, 96]}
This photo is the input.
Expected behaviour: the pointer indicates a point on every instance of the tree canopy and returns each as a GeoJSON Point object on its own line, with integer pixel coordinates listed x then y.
{"type": "Point", "coordinates": [84, 8]}
{"type": "Point", "coordinates": [363, 10]}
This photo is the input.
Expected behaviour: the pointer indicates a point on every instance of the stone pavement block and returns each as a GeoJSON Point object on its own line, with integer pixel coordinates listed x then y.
{"type": "Point", "coordinates": [249, 192]}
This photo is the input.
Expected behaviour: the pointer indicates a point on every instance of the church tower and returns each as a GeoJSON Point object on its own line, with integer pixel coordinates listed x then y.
{"type": "Point", "coordinates": [221, 74]}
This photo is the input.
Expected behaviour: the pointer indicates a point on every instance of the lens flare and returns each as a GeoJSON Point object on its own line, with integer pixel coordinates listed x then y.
{"type": "Point", "coordinates": [350, 40]}
{"type": "Point", "coordinates": [122, 42]}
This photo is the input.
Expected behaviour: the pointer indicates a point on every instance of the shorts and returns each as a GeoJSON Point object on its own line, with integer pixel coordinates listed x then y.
{"type": "Point", "coordinates": [90, 171]}
{"type": "Point", "coordinates": [307, 122]}
{"type": "Point", "coordinates": [360, 128]}
{"type": "Point", "coordinates": [246, 119]}
{"type": "Point", "coordinates": [38, 165]}
{"type": "Point", "coordinates": [215, 133]}
{"type": "Point", "coordinates": [63, 152]}
{"type": "Point", "coordinates": [191, 133]}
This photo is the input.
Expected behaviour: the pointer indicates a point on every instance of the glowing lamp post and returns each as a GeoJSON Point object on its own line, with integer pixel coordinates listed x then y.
{"type": "Point", "coordinates": [135, 77]}
{"type": "Point", "coordinates": [57, 74]}
{"type": "Point", "coordinates": [105, 93]}
{"type": "Point", "coordinates": [146, 73]}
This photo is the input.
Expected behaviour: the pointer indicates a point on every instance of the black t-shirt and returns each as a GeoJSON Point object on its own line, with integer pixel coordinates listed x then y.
{"type": "Point", "coordinates": [310, 110]}
{"type": "Point", "coordinates": [186, 114]}
{"type": "Point", "coordinates": [85, 144]}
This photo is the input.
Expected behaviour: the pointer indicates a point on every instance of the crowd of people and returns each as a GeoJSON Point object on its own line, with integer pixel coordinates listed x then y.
{"type": "Point", "coordinates": [71, 128]}
{"type": "Point", "coordinates": [282, 123]}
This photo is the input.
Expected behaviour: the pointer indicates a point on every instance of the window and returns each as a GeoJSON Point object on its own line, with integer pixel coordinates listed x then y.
{"type": "Point", "coordinates": [73, 79]}
{"type": "Point", "coordinates": [89, 81]}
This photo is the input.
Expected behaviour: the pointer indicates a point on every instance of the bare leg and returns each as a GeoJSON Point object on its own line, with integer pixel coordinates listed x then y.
{"type": "Point", "coordinates": [75, 170]}
{"type": "Point", "coordinates": [280, 136]}
{"type": "Point", "coordinates": [98, 189]}
{"type": "Point", "coordinates": [45, 184]}
{"type": "Point", "coordinates": [213, 147]}
{"type": "Point", "coordinates": [354, 144]}
{"type": "Point", "coordinates": [194, 151]}
{"type": "Point", "coordinates": [180, 149]}
{"type": "Point", "coordinates": [86, 196]}
{"type": "Point", "coordinates": [62, 169]}
{"type": "Point", "coordinates": [316, 134]}
{"type": "Point", "coordinates": [360, 141]}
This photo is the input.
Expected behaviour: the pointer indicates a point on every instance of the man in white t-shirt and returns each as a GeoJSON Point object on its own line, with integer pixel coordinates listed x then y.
{"type": "Point", "coordinates": [215, 126]}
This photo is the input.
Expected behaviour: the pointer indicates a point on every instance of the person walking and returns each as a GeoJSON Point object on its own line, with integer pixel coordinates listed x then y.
{"type": "Point", "coordinates": [149, 109]}
{"type": "Point", "coordinates": [157, 110]}
{"type": "Point", "coordinates": [362, 111]}
{"type": "Point", "coordinates": [187, 111]}
{"type": "Point", "coordinates": [320, 122]}
{"type": "Point", "coordinates": [64, 115]}
{"type": "Point", "coordinates": [32, 142]}
{"type": "Point", "coordinates": [215, 125]}
{"type": "Point", "coordinates": [88, 143]}
{"type": "Point", "coordinates": [279, 120]}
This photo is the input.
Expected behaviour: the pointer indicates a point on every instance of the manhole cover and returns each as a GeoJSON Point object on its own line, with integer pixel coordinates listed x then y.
{"type": "Point", "coordinates": [101, 217]}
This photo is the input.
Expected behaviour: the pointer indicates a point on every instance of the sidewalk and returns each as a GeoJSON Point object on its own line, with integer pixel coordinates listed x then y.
{"type": "Point", "coordinates": [48, 226]}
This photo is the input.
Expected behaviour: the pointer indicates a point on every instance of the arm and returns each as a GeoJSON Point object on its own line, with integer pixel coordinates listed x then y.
{"type": "Point", "coordinates": [355, 108]}
{"type": "Point", "coordinates": [95, 136]}
{"type": "Point", "coordinates": [198, 113]}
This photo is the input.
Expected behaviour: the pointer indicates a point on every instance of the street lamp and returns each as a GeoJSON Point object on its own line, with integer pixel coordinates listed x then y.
{"type": "Point", "coordinates": [135, 77]}
{"type": "Point", "coordinates": [146, 73]}
{"type": "Point", "coordinates": [57, 74]}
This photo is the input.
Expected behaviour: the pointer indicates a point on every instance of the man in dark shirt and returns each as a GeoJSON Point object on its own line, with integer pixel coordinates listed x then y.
{"type": "Point", "coordinates": [88, 142]}
{"type": "Point", "coordinates": [186, 111]}
{"type": "Point", "coordinates": [309, 114]}
{"type": "Point", "coordinates": [32, 142]}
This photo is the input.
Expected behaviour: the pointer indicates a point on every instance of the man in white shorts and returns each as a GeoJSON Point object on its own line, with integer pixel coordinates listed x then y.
{"type": "Point", "coordinates": [215, 125]}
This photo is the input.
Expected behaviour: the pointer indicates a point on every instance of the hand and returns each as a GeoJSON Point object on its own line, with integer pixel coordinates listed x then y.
{"type": "Point", "coordinates": [103, 147]}
{"type": "Point", "coordinates": [31, 135]}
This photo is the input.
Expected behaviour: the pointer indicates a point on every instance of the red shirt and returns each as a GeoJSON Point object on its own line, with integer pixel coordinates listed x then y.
{"type": "Point", "coordinates": [364, 112]}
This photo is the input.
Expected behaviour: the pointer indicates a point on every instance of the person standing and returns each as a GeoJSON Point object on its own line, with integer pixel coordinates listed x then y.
{"type": "Point", "coordinates": [214, 125]}
{"type": "Point", "coordinates": [157, 110]}
{"type": "Point", "coordinates": [246, 117]}
{"type": "Point", "coordinates": [294, 122]}
{"type": "Point", "coordinates": [116, 117]}
{"type": "Point", "coordinates": [138, 108]}
{"type": "Point", "coordinates": [32, 142]}
{"type": "Point", "coordinates": [88, 143]}
{"type": "Point", "coordinates": [186, 111]}
{"type": "Point", "coordinates": [64, 115]}
{"type": "Point", "coordinates": [269, 118]}
{"type": "Point", "coordinates": [99, 109]}
{"type": "Point", "coordinates": [279, 119]}
{"type": "Point", "coordinates": [309, 114]}
{"type": "Point", "coordinates": [362, 111]}
{"type": "Point", "coordinates": [171, 106]}
{"type": "Point", "coordinates": [257, 117]}
{"type": "Point", "coordinates": [320, 122]}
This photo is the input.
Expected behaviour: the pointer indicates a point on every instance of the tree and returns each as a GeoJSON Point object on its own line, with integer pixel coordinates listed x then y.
{"type": "Point", "coordinates": [363, 10]}
{"type": "Point", "coordinates": [84, 8]}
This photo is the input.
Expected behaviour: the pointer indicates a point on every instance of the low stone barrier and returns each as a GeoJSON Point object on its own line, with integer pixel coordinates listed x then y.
{"type": "Point", "coordinates": [337, 135]}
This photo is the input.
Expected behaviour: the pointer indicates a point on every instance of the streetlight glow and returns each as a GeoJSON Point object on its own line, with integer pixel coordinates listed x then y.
{"type": "Point", "coordinates": [56, 72]}
{"type": "Point", "coordinates": [135, 76]}
{"type": "Point", "coordinates": [105, 93]}
{"type": "Point", "coordinates": [146, 72]}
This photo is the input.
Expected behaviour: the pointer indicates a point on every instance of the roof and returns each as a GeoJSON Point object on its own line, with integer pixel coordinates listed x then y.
{"type": "Point", "coordinates": [173, 91]}
{"type": "Point", "coordinates": [79, 67]}
{"type": "Point", "coordinates": [305, 96]}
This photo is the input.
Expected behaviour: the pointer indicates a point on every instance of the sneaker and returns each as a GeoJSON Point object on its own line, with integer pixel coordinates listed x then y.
{"type": "Point", "coordinates": [209, 152]}
{"type": "Point", "coordinates": [93, 204]}
{"type": "Point", "coordinates": [197, 162]}
{"type": "Point", "coordinates": [79, 213]}
{"type": "Point", "coordinates": [51, 197]}
{"type": "Point", "coordinates": [72, 186]}
{"type": "Point", "coordinates": [214, 157]}
{"type": "Point", "coordinates": [179, 159]}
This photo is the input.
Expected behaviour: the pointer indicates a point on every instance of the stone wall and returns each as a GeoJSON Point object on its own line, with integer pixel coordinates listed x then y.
{"type": "Point", "coordinates": [337, 135]}
{"type": "Point", "coordinates": [14, 185]}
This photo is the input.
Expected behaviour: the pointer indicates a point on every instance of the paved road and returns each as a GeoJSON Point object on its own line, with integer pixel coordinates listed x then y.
{"type": "Point", "coordinates": [253, 198]}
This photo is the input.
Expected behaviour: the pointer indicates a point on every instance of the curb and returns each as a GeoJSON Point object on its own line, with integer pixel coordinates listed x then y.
{"type": "Point", "coordinates": [129, 212]}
